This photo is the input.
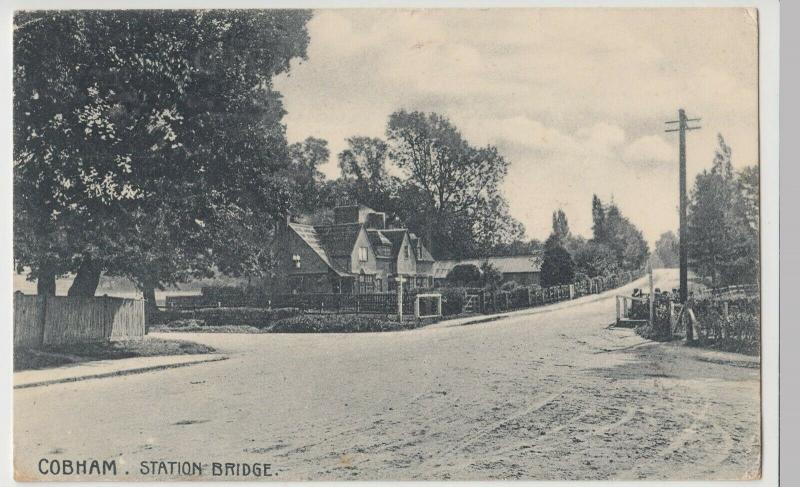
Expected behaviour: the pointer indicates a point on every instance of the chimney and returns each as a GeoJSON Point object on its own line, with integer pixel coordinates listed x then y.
{"type": "Point", "coordinates": [376, 220]}
{"type": "Point", "coordinates": [345, 214]}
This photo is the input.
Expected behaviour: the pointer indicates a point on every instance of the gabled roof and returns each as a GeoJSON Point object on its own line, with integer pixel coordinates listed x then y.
{"type": "Point", "coordinates": [312, 238]}
{"type": "Point", "coordinates": [377, 238]}
{"type": "Point", "coordinates": [506, 265]}
{"type": "Point", "coordinates": [415, 242]}
{"type": "Point", "coordinates": [339, 240]}
{"type": "Point", "coordinates": [395, 235]}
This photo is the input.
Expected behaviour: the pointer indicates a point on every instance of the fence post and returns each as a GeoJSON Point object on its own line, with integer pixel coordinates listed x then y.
{"type": "Point", "coordinates": [108, 325]}
{"type": "Point", "coordinates": [43, 319]}
{"type": "Point", "coordinates": [617, 304]}
{"type": "Point", "coordinates": [572, 291]}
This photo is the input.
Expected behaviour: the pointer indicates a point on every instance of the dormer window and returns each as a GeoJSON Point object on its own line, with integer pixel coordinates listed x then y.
{"type": "Point", "coordinates": [296, 261]}
{"type": "Point", "coordinates": [408, 254]}
{"type": "Point", "coordinates": [362, 254]}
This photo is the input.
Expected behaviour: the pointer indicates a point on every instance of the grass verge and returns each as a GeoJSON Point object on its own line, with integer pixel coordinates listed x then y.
{"type": "Point", "coordinates": [55, 356]}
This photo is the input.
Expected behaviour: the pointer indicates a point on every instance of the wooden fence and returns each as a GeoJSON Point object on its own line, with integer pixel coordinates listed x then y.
{"type": "Point", "coordinates": [55, 320]}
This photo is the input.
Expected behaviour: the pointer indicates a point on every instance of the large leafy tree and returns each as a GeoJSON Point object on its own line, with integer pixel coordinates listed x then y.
{"type": "Point", "coordinates": [363, 165]}
{"type": "Point", "coordinates": [147, 142]}
{"type": "Point", "coordinates": [723, 222]}
{"type": "Point", "coordinates": [454, 188]}
{"type": "Point", "coordinates": [303, 175]}
{"type": "Point", "coordinates": [611, 229]}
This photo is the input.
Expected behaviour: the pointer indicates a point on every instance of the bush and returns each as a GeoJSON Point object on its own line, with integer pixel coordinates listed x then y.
{"type": "Point", "coordinates": [257, 317]}
{"type": "Point", "coordinates": [464, 274]}
{"type": "Point", "coordinates": [509, 286]}
{"type": "Point", "coordinates": [332, 323]}
{"type": "Point", "coordinates": [741, 332]}
{"type": "Point", "coordinates": [453, 300]}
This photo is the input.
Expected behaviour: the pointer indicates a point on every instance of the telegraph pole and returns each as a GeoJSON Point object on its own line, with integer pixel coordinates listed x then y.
{"type": "Point", "coordinates": [683, 126]}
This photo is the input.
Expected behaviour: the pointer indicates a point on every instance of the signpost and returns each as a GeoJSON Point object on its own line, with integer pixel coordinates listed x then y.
{"type": "Point", "coordinates": [400, 282]}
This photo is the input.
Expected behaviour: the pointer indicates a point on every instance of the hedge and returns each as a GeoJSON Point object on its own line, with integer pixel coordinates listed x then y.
{"type": "Point", "coordinates": [257, 317]}
{"type": "Point", "coordinates": [333, 323]}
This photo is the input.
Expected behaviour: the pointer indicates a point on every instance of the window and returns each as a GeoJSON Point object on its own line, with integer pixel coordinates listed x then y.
{"type": "Point", "coordinates": [366, 284]}
{"type": "Point", "coordinates": [362, 254]}
{"type": "Point", "coordinates": [296, 260]}
{"type": "Point", "coordinates": [407, 252]}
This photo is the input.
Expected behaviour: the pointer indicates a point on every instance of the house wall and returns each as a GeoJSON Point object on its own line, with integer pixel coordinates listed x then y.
{"type": "Point", "coordinates": [370, 266]}
{"type": "Point", "coordinates": [406, 260]}
{"type": "Point", "coordinates": [384, 267]}
{"type": "Point", "coordinates": [379, 268]}
{"type": "Point", "coordinates": [313, 269]}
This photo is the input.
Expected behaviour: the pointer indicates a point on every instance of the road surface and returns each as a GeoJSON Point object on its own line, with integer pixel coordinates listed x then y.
{"type": "Point", "coordinates": [552, 395]}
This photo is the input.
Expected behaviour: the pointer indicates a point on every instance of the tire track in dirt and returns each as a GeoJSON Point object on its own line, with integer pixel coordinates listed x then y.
{"type": "Point", "coordinates": [678, 443]}
{"type": "Point", "coordinates": [471, 438]}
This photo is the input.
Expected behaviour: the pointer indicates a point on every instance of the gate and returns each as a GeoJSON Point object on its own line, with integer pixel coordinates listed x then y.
{"type": "Point", "coordinates": [472, 303]}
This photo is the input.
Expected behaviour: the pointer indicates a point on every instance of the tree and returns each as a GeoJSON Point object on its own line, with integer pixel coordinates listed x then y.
{"type": "Point", "coordinates": [667, 250]}
{"type": "Point", "coordinates": [303, 175]}
{"type": "Point", "coordinates": [464, 274]}
{"type": "Point", "coordinates": [616, 233]}
{"type": "Point", "coordinates": [452, 188]}
{"type": "Point", "coordinates": [723, 222]}
{"type": "Point", "coordinates": [598, 219]}
{"type": "Point", "coordinates": [363, 167]}
{"type": "Point", "coordinates": [490, 275]}
{"type": "Point", "coordinates": [593, 259]}
{"type": "Point", "coordinates": [557, 265]}
{"type": "Point", "coordinates": [147, 142]}
{"type": "Point", "coordinates": [560, 226]}
{"type": "Point", "coordinates": [518, 247]}
{"type": "Point", "coordinates": [494, 228]}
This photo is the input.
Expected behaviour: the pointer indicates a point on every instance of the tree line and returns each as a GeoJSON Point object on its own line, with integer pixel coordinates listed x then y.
{"type": "Point", "coordinates": [616, 245]}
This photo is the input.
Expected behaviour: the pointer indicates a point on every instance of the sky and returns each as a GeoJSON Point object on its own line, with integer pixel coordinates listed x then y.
{"type": "Point", "coordinates": [574, 99]}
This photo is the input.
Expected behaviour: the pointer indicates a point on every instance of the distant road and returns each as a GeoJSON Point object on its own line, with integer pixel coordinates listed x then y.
{"type": "Point", "coordinates": [553, 395]}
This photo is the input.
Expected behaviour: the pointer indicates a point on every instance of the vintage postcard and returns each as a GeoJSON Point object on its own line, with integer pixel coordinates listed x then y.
{"type": "Point", "coordinates": [388, 244]}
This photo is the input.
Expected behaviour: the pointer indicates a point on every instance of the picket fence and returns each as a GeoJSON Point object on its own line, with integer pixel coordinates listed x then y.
{"type": "Point", "coordinates": [56, 320]}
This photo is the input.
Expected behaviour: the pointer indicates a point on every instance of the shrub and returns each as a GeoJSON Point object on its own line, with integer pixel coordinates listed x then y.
{"type": "Point", "coordinates": [741, 332]}
{"type": "Point", "coordinates": [453, 300]}
{"type": "Point", "coordinates": [257, 317]}
{"type": "Point", "coordinates": [333, 323]}
{"type": "Point", "coordinates": [509, 286]}
{"type": "Point", "coordinates": [186, 323]}
{"type": "Point", "coordinates": [464, 274]}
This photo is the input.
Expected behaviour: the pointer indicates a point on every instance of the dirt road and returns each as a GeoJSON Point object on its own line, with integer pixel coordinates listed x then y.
{"type": "Point", "coordinates": [553, 395]}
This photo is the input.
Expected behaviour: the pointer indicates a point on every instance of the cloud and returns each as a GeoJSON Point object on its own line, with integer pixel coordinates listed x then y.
{"type": "Point", "coordinates": [650, 149]}
{"type": "Point", "coordinates": [576, 99]}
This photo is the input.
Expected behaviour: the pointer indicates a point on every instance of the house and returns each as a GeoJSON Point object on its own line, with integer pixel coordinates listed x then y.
{"type": "Point", "coordinates": [356, 254]}
{"type": "Point", "coordinates": [523, 269]}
